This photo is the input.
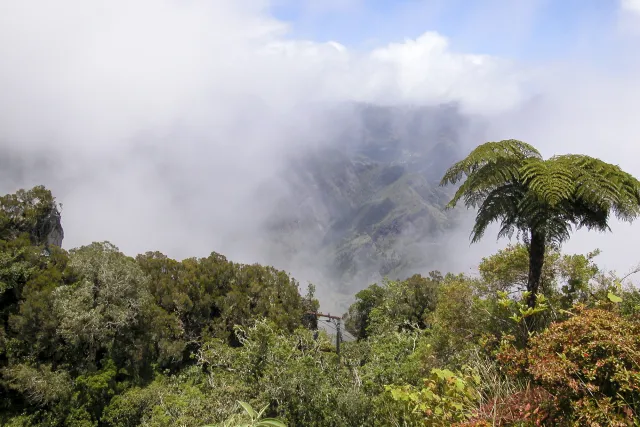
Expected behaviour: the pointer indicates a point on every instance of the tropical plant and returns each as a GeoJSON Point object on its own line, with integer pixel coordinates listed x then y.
{"type": "Point", "coordinates": [510, 183]}
{"type": "Point", "coordinates": [255, 418]}
{"type": "Point", "coordinates": [445, 398]}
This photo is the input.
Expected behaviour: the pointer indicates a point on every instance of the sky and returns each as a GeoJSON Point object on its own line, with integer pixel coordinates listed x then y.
{"type": "Point", "coordinates": [527, 30]}
{"type": "Point", "coordinates": [160, 120]}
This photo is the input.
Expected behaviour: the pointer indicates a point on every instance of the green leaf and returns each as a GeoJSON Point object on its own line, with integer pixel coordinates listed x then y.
{"type": "Point", "coordinates": [262, 411]}
{"type": "Point", "coordinates": [614, 298]}
{"type": "Point", "coordinates": [248, 409]}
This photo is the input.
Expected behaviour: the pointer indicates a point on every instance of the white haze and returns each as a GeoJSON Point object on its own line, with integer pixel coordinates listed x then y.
{"type": "Point", "coordinates": [162, 119]}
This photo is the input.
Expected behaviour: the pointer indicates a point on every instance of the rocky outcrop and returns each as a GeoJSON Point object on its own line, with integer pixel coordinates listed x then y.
{"type": "Point", "coordinates": [49, 229]}
{"type": "Point", "coordinates": [33, 212]}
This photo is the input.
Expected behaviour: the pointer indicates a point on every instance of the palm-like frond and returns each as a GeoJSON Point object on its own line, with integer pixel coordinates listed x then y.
{"type": "Point", "coordinates": [500, 205]}
{"type": "Point", "coordinates": [585, 181]}
{"type": "Point", "coordinates": [487, 153]}
{"type": "Point", "coordinates": [487, 178]}
{"type": "Point", "coordinates": [542, 200]}
{"type": "Point", "coordinates": [510, 183]}
{"type": "Point", "coordinates": [591, 217]}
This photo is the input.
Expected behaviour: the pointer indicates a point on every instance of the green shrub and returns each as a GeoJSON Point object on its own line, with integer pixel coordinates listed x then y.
{"type": "Point", "coordinates": [444, 399]}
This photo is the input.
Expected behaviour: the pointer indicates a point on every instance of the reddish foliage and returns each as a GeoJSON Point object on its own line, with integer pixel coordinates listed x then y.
{"type": "Point", "coordinates": [587, 368]}
{"type": "Point", "coordinates": [592, 363]}
{"type": "Point", "coordinates": [529, 406]}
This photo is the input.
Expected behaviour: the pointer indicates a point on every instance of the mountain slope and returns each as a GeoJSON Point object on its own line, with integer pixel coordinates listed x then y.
{"type": "Point", "coordinates": [368, 204]}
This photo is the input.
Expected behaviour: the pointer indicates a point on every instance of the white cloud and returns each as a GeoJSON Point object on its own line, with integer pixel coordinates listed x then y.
{"type": "Point", "coordinates": [98, 70]}
{"type": "Point", "coordinates": [418, 70]}
{"type": "Point", "coordinates": [90, 74]}
{"type": "Point", "coordinates": [426, 69]}
{"type": "Point", "coordinates": [168, 115]}
{"type": "Point", "coordinates": [630, 5]}
{"type": "Point", "coordinates": [629, 21]}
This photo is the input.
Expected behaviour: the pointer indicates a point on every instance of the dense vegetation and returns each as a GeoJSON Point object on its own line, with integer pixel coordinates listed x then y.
{"type": "Point", "coordinates": [92, 337]}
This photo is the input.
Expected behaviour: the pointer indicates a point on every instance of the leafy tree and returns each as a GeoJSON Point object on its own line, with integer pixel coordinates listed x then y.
{"type": "Point", "coordinates": [510, 183]}
{"type": "Point", "coordinates": [29, 221]}
{"type": "Point", "coordinates": [33, 326]}
{"type": "Point", "coordinates": [310, 305]}
{"type": "Point", "coordinates": [395, 304]}
{"type": "Point", "coordinates": [29, 230]}
{"type": "Point", "coordinates": [40, 385]}
{"type": "Point", "coordinates": [103, 312]}
{"type": "Point", "coordinates": [210, 296]}
{"type": "Point", "coordinates": [183, 399]}
{"type": "Point", "coordinates": [458, 321]}
{"type": "Point", "coordinates": [357, 318]}
{"type": "Point", "coordinates": [260, 292]}
{"type": "Point", "coordinates": [566, 280]}
{"type": "Point", "coordinates": [19, 262]}
{"type": "Point", "coordinates": [507, 271]}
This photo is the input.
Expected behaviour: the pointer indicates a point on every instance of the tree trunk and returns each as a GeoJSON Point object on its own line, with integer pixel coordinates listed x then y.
{"type": "Point", "coordinates": [536, 260]}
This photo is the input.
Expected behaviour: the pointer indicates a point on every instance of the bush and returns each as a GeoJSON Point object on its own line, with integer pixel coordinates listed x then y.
{"type": "Point", "coordinates": [590, 364]}
{"type": "Point", "coordinates": [444, 399]}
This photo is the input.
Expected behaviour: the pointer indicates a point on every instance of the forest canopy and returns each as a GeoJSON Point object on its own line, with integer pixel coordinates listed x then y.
{"type": "Point", "coordinates": [94, 337]}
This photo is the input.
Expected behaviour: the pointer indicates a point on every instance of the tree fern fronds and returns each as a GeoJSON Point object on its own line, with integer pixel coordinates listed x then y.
{"type": "Point", "coordinates": [486, 153]}
{"type": "Point", "coordinates": [541, 200]}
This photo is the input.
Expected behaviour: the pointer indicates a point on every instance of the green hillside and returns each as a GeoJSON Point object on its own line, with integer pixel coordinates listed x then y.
{"type": "Point", "coordinates": [369, 203]}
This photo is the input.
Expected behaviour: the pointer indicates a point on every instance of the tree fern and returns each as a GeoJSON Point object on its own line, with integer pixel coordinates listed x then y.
{"type": "Point", "coordinates": [542, 200]}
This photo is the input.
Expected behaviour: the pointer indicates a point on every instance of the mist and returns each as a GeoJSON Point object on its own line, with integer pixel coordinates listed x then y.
{"type": "Point", "coordinates": [165, 125]}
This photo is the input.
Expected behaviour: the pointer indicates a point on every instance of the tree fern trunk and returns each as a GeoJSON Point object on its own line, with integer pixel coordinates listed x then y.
{"type": "Point", "coordinates": [536, 260]}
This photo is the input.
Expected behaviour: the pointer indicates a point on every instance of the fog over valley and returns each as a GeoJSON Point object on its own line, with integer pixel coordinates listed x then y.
{"type": "Point", "coordinates": [200, 126]}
